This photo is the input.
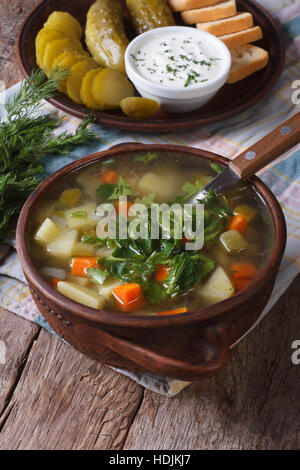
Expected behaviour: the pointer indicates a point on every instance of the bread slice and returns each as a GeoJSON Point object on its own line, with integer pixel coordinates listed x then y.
{"type": "Point", "coordinates": [183, 5]}
{"type": "Point", "coordinates": [219, 11]}
{"type": "Point", "coordinates": [236, 23]}
{"type": "Point", "coordinates": [242, 37]}
{"type": "Point", "coordinates": [246, 60]}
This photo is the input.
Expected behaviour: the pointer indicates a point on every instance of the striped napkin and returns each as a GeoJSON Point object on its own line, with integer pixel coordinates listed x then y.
{"type": "Point", "coordinates": [228, 138]}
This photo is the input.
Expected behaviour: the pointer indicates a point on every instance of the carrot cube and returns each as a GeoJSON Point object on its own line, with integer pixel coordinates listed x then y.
{"type": "Point", "coordinates": [243, 271]}
{"type": "Point", "coordinates": [80, 265]}
{"type": "Point", "coordinates": [161, 273]}
{"type": "Point", "coordinates": [109, 177]}
{"type": "Point", "coordinates": [238, 222]}
{"type": "Point", "coordinates": [172, 312]}
{"type": "Point", "coordinates": [128, 297]}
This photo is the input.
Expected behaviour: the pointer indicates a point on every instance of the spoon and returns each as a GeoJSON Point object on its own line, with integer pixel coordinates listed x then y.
{"type": "Point", "coordinates": [255, 158]}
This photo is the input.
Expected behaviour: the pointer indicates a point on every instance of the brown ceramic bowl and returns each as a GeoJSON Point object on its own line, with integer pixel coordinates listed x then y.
{"type": "Point", "coordinates": [186, 346]}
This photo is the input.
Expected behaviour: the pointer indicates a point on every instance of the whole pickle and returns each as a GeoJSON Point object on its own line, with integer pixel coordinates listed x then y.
{"type": "Point", "coordinates": [149, 14]}
{"type": "Point", "coordinates": [104, 34]}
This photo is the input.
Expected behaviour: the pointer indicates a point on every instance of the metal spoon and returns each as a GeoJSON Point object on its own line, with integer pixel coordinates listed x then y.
{"type": "Point", "coordinates": [255, 158]}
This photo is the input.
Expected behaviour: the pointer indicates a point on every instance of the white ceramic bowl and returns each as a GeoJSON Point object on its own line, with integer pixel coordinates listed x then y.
{"type": "Point", "coordinates": [178, 99]}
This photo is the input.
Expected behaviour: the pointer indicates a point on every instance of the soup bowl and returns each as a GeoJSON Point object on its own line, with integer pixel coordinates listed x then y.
{"type": "Point", "coordinates": [188, 346]}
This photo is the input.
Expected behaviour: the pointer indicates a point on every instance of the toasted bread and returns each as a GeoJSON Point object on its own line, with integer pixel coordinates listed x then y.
{"type": "Point", "coordinates": [246, 60]}
{"type": "Point", "coordinates": [215, 12]}
{"type": "Point", "coordinates": [183, 5]}
{"type": "Point", "coordinates": [242, 37]}
{"type": "Point", "coordinates": [236, 23]}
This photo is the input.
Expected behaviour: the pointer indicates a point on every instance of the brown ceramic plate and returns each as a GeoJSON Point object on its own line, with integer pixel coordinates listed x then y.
{"type": "Point", "coordinates": [230, 100]}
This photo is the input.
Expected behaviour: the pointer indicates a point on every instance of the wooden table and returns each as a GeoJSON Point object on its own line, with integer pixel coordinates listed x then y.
{"type": "Point", "coordinates": [53, 397]}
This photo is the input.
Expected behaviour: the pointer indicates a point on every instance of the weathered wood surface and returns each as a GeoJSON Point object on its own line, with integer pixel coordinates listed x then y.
{"type": "Point", "coordinates": [63, 400]}
{"type": "Point", "coordinates": [52, 397]}
{"type": "Point", "coordinates": [252, 404]}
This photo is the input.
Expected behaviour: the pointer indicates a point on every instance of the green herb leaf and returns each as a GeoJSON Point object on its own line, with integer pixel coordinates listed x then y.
{"type": "Point", "coordinates": [79, 214]}
{"type": "Point", "coordinates": [155, 292]}
{"type": "Point", "coordinates": [187, 270]}
{"type": "Point", "coordinates": [145, 157]}
{"type": "Point", "coordinates": [108, 192]}
{"type": "Point", "coordinates": [98, 276]}
{"type": "Point", "coordinates": [92, 240]}
{"type": "Point", "coordinates": [189, 190]}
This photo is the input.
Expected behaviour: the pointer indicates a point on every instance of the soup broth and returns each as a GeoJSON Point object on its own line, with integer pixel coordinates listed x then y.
{"type": "Point", "coordinates": [148, 276]}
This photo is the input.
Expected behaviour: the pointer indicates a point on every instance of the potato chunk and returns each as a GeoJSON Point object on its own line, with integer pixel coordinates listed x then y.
{"type": "Point", "coordinates": [74, 80]}
{"type": "Point", "coordinates": [82, 281]}
{"type": "Point", "coordinates": [64, 22]}
{"type": "Point", "coordinates": [233, 241]}
{"type": "Point", "coordinates": [110, 87]}
{"type": "Point", "coordinates": [47, 232]}
{"type": "Point", "coordinates": [165, 185]}
{"type": "Point", "coordinates": [139, 108]}
{"type": "Point", "coordinates": [62, 246]}
{"type": "Point", "coordinates": [83, 249]}
{"type": "Point", "coordinates": [106, 290]}
{"type": "Point", "coordinates": [217, 288]}
{"type": "Point", "coordinates": [81, 294]}
{"type": "Point", "coordinates": [81, 217]}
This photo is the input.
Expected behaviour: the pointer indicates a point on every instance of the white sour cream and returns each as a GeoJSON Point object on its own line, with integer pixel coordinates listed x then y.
{"type": "Point", "coordinates": [176, 60]}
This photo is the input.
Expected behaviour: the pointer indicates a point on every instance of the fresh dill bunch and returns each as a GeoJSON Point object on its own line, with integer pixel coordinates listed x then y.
{"type": "Point", "coordinates": [33, 90]}
{"type": "Point", "coordinates": [25, 137]}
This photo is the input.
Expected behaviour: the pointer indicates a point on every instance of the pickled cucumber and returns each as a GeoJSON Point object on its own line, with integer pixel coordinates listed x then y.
{"type": "Point", "coordinates": [139, 108]}
{"type": "Point", "coordinates": [65, 61]}
{"type": "Point", "coordinates": [74, 80]}
{"type": "Point", "coordinates": [86, 89]}
{"type": "Point", "coordinates": [55, 48]}
{"type": "Point", "coordinates": [149, 14]}
{"type": "Point", "coordinates": [64, 22]}
{"type": "Point", "coordinates": [105, 36]}
{"type": "Point", "coordinates": [110, 87]}
{"type": "Point", "coordinates": [44, 36]}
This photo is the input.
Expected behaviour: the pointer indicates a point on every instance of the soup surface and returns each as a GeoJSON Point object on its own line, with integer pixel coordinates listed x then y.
{"type": "Point", "coordinates": [96, 240]}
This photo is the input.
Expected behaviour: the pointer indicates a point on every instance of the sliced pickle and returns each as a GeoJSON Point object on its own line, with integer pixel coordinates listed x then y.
{"type": "Point", "coordinates": [74, 80]}
{"type": "Point", "coordinates": [86, 89]}
{"type": "Point", "coordinates": [44, 36]}
{"type": "Point", "coordinates": [139, 108]}
{"type": "Point", "coordinates": [55, 48]}
{"type": "Point", "coordinates": [110, 87]}
{"type": "Point", "coordinates": [64, 22]}
{"type": "Point", "coordinates": [65, 61]}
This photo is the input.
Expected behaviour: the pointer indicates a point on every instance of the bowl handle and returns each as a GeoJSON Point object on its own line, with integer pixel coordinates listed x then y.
{"type": "Point", "coordinates": [214, 348]}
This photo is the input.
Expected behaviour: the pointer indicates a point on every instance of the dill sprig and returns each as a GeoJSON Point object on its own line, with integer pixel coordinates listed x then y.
{"type": "Point", "coordinates": [25, 137]}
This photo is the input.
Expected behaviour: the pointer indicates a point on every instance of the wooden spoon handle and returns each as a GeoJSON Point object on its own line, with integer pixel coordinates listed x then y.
{"type": "Point", "coordinates": [267, 149]}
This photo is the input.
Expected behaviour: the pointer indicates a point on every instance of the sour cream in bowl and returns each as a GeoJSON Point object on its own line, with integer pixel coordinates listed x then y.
{"type": "Point", "coordinates": [180, 67]}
